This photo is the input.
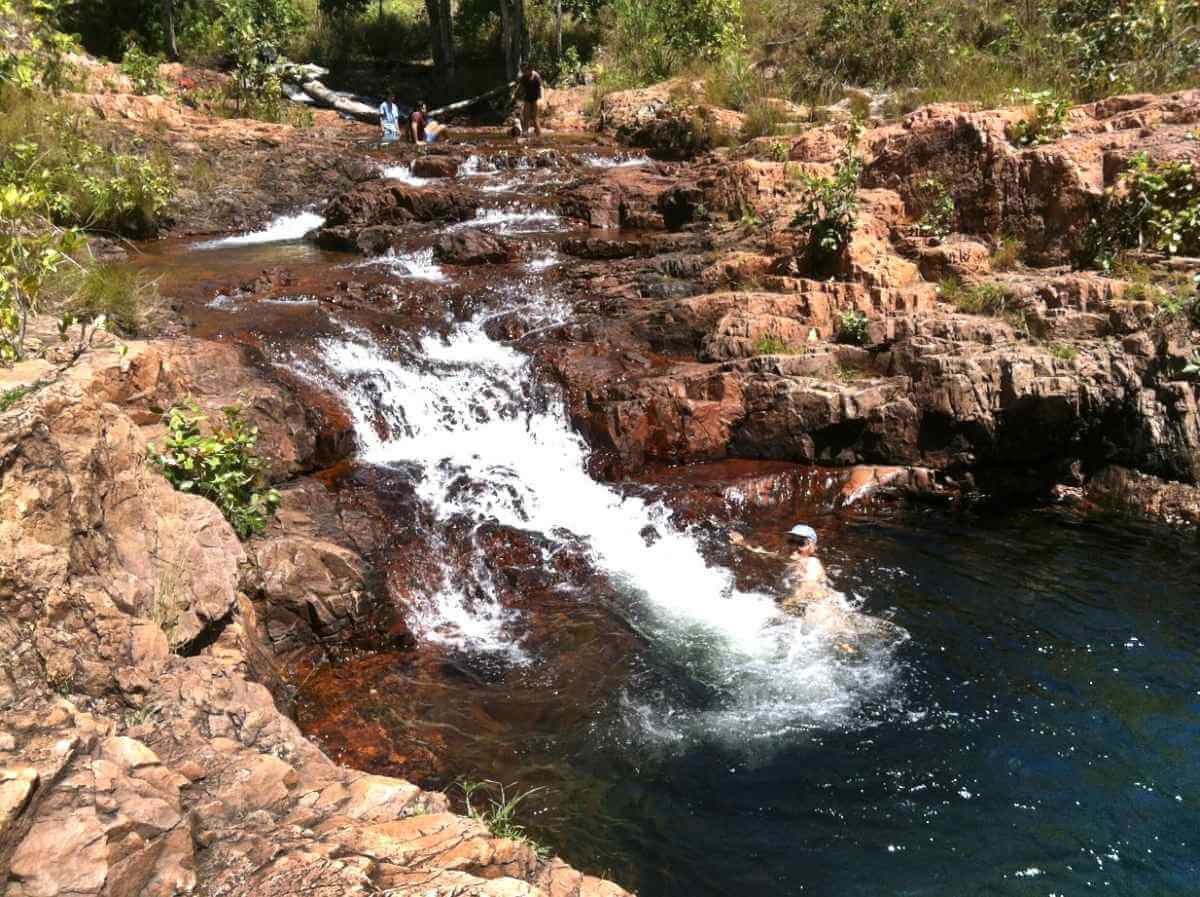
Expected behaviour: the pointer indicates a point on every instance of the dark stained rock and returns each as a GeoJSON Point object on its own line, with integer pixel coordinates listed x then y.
{"type": "Point", "coordinates": [473, 246]}
{"type": "Point", "coordinates": [436, 166]}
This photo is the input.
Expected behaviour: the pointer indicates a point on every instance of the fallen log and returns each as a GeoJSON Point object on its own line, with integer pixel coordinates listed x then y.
{"type": "Point", "coordinates": [463, 104]}
{"type": "Point", "coordinates": [323, 96]}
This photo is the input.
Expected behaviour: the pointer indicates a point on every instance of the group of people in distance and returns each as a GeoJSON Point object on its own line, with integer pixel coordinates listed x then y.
{"type": "Point", "coordinates": [419, 129]}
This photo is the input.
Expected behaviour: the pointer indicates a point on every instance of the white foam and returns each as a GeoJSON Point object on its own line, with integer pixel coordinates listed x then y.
{"type": "Point", "coordinates": [615, 161]}
{"type": "Point", "coordinates": [469, 413]}
{"type": "Point", "coordinates": [412, 265]}
{"type": "Point", "coordinates": [515, 219]}
{"type": "Point", "coordinates": [280, 230]}
{"type": "Point", "coordinates": [542, 262]}
{"type": "Point", "coordinates": [403, 173]}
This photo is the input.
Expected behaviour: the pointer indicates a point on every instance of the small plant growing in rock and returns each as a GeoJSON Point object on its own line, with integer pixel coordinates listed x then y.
{"type": "Point", "coordinates": [499, 816]}
{"type": "Point", "coordinates": [142, 69]}
{"type": "Point", "coordinates": [940, 211]}
{"type": "Point", "coordinates": [1192, 367]}
{"type": "Point", "coordinates": [221, 465]}
{"type": "Point", "coordinates": [852, 327]}
{"type": "Point", "coordinates": [829, 206]}
{"type": "Point", "coordinates": [778, 150]}
{"type": "Point", "coordinates": [1045, 121]}
{"type": "Point", "coordinates": [770, 345]}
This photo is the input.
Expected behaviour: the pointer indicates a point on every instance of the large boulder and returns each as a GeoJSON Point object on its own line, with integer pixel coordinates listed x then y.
{"type": "Point", "coordinates": [350, 217]}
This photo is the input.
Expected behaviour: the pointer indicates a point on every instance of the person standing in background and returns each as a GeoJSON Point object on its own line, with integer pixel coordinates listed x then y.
{"type": "Point", "coordinates": [389, 118]}
{"type": "Point", "coordinates": [529, 91]}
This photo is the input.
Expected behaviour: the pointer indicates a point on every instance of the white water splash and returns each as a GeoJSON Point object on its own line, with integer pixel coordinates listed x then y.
{"type": "Point", "coordinates": [280, 230]}
{"type": "Point", "coordinates": [403, 173]}
{"type": "Point", "coordinates": [467, 412]}
{"type": "Point", "coordinates": [515, 219]}
{"type": "Point", "coordinates": [615, 161]}
{"type": "Point", "coordinates": [542, 262]}
{"type": "Point", "coordinates": [411, 265]}
{"type": "Point", "coordinates": [475, 166]}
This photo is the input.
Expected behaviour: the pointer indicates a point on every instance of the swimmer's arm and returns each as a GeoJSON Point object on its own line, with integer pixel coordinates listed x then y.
{"type": "Point", "coordinates": [740, 541]}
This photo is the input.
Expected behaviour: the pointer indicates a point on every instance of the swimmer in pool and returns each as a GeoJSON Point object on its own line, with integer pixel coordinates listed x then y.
{"type": "Point", "coordinates": [806, 574]}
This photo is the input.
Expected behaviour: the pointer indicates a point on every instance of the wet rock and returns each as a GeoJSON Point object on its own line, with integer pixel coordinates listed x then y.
{"type": "Point", "coordinates": [391, 204]}
{"type": "Point", "coordinates": [473, 246]}
{"type": "Point", "coordinates": [619, 197]}
{"type": "Point", "coordinates": [1129, 491]}
{"type": "Point", "coordinates": [431, 166]}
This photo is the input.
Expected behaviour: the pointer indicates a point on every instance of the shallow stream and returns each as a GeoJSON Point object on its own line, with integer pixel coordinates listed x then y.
{"type": "Point", "coordinates": [1003, 705]}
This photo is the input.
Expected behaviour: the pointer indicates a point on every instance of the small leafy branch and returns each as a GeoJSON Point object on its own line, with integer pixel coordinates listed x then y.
{"type": "Point", "coordinates": [221, 465]}
{"type": "Point", "coordinates": [939, 214]}
{"type": "Point", "coordinates": [142, 69]}
{"type": "Point", "coordinates": [1045, 122]}
{"type": "Point", "coordinates": [829, 206]}
{"type": "Point", "coordinates": [499, 815]}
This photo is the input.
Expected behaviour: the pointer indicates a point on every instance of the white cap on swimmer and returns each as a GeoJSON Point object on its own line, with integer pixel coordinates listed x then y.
{"type": "Point", "coordinates": [801, 531]}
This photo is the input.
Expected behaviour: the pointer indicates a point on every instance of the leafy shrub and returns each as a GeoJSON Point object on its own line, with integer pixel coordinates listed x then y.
{"type": "Point", "coordinates": [1179, 302]}
{"type": "Point", "coordinates": [1045, 121]}
{"type": "Point", "coordinates": [829, 206]}
{"type": "Point", "coordinates": [142, 69]}
{"type": "Point", "coordinates": [1156, 206]}
{"type": "Point", "coordinates": [778, 150]}
{"type": "Point", "coordinates": [938, 217]}
{"type": "Point", "coordinates": [879, 42]}
{"type": "Point", "coordinates": [221, 466]}
{"type": "Point", "coordinates": [1064, 352]}
{"type": "Point", "coordinates": [852, 327]}
{"type": "Point", "coordinates": [730, 82]}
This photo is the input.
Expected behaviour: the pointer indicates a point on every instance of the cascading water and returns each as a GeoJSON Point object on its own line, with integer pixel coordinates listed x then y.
{"type": "Point", "coordinates": [468, 408]}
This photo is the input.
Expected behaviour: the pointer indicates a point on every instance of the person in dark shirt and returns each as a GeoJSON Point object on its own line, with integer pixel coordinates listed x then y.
{"type": "Point", "coordinates": [416, 124]}
{"type": "Point", "coordinates": [529, 90]}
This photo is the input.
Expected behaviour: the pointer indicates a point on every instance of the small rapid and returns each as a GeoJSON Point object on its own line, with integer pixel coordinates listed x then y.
{"type": "Point", "coordinates": [469, 409]}
{"type": "Point", "coordinates": [283, 229]}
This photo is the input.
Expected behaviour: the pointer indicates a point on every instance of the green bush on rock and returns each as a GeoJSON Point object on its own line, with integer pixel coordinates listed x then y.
{"type": "Point", "coordinates": [221, 465]}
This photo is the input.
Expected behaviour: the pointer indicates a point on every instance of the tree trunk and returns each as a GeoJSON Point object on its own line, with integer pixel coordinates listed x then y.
{"type": "Point", "coordinates": [514, 36]}
{"type": "Point", "coordinates": [558, 31]}
{"type": "Point", "coordinates": [168, 23]}
{"type": "Point", "coordinates": [441, 34]}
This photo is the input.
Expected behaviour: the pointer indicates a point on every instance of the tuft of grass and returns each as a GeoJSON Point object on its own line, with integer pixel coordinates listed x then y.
{"type": "Point", "coordinates": [1063, 351]}
{"type": "Point", "coordinates": [10, 397]}
{"type": "Point", "coordinates": [771, 345]}
{"type": "Point", "coordinates": [763, 119]}
{"type": "Point", "coordinates": [120, 293]}
{"type": "Point", "coordinates": [1007, 254]}
{"type": "Point", "coordinates": [499, 816]}
{"type": "Point", "coordinates": [976, 299]}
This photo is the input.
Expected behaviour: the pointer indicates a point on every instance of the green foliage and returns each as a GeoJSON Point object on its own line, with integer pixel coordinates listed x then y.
{"type": "Point", "coordinates": [1156, 206]}
{"type": "Point", "coordinates": [10, 397]}
{"type": "Point", "coordinates": [852, 327]}
{"type": "Point", "coordinates": [770, 345]}
{"type": "Point", "coordinates": [142, 69]}
{"type": "Point", "coordinates": [778, 150]}
{"type": "Point", "coordinates": [1045, 121]}
{"type": "Point", "coordinates": [34, 57]}
{"type": "Point", "coordinates": [221, 465]}
{"type": "Point", "coordinates": [976, 299]}
{"type": "Point", "coordinates": [499, 814]}
{"type": "Point", "coordinates": [651, 40]}
{"type": "Point", "coordinates": [829, 206]}
{"type": "Point", "coordinates": [1118, 46]}
{"type": "Point", "coordinates": [1179, 302]}
{"type": "Point", "coordinates": [879, 42]}
{"type": "Point", "coordinates": [938, 217]}
{"type": "Point", "coordinates": [32, 250]}
{"type": "Point", "coordinates": [763, 119]}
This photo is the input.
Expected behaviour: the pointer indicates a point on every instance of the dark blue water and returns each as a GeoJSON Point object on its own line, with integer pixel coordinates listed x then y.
{"type": "Point", "coordinates": [1042, 736]}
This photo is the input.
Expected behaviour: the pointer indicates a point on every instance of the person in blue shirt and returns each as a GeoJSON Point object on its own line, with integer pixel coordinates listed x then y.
{"type": "Point", "coordinates": [389, 118]}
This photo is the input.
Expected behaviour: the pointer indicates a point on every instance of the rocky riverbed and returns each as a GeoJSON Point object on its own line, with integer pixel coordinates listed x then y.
{"type": "Point", "coordinates": [424, 357]}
